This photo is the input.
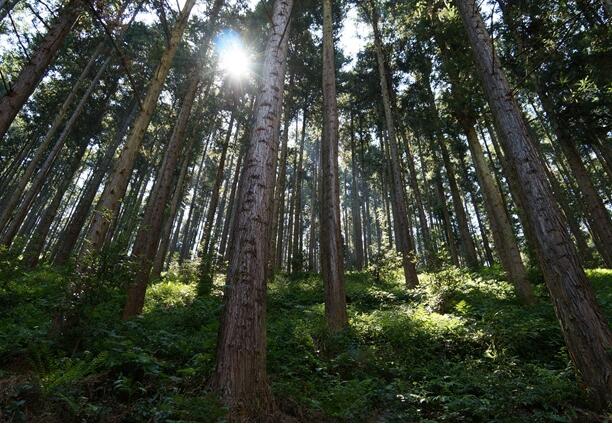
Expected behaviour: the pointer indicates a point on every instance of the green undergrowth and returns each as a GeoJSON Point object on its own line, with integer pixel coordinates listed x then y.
{"type": "Point", "coordinates": [457, 348]}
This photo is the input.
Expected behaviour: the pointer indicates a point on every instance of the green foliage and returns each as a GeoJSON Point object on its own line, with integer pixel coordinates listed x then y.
{"type": "Point", "coordinates": [480, 357]}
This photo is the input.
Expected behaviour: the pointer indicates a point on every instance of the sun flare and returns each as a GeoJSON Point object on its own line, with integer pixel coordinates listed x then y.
{"type": "Point", "coordinates": [234, 59]}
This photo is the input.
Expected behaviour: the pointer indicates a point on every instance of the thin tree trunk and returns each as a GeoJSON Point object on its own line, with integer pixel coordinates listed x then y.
{"type": "Point", "coordinates": [501, 229]}
{"type": "Point", "coordinates": [116, 187]}
{"type": "Point", "coordinates": [296, 231]}
{"type": "Point", "coordinates": [279, 193]}
{"type": "Point", "coordinates": [355, 205]}
{"type": "Point", "coordinates": [70, 236]}
{"type": "Point", "coordinates": [402, 235]}
{"type": "Point", "coordinates": [594, 207]}
{"type": "Point", "coordinates": [37, 241]}
{"type": "Point", "coordinates": [37, 183]}
{"type": "Point", "coordinates": [585, 330]}
{"type": "Point", "coordinates": [33, 71]}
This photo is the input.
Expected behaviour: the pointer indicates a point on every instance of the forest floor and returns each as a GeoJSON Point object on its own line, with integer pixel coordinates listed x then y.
{"type": "Point", "coordinates": [458, 348]}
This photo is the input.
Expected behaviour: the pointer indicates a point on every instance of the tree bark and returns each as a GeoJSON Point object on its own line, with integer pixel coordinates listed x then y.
{"type": "Point", "coordinates": [585, 330]}
{"type": "Point", "coordinates": [279, 193]}
{"type": "Point", "coordinates": [240, 372]}
{"type": "Point", "coordinates": [70, 236]}
{"type": "Point", "coordinates": [33, 71]}
{"type": "Point", "coordinates": [502, 231]}
{"type": "Point", "coordinates": [115, 188]}
{"type": "Point", "coordinates": [402, 235]}
{"type": "Point", "coordinates": [358, 241]}
{"type": "Point", "coordinates": [332, 261]}
{"type": "Point", "coordinates": [594, 207]}
{"type": "Point", "coordinates": [37, 184]}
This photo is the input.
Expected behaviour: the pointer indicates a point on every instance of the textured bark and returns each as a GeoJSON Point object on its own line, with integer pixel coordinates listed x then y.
{"type": "Point", "coordinates": [33, 71]}
{"type": "Point", "coordinates": [115, 188]}
{"type": "Point", "coordinates": [240, 373]}
{"type": "Point", "coordinates": [402, 231]}
{"type": "Point", "coordinates": [585, 330]}
{"type": "Point", "coordinates": [37, 184]}
{"type": "Point", "coordinates": [332, 261]}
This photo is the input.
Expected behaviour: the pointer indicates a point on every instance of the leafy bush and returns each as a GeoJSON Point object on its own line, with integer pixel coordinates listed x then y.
{"type": "Point", "coordinates": [459, 347]}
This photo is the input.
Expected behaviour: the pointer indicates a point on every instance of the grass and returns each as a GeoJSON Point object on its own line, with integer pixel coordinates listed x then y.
{"type": "Point", "coordinates": [458, 348]}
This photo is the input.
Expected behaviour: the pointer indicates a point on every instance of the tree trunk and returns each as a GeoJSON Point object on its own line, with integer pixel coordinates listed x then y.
{"type": "Point", "coordinates": [115, 188]}
{"type": "Point", "coordinates": [594, 207]}
{"type": "Point", "coordinates": [37, 241]}
{"type": "Point", "coordinates": [240, 373]}
{"type": "Point", "coordinates": [501, 229]}
{"type": "Point", "coordinates": [279, 193]}
{"type": "Point", "coordinates": [70, 236]}
{"type": "Point", "coordinates": [414, 184]}
{"type": "Point", "coordinates": [39, 180]}
{"type": "Point", "coordinates": [18, 191]}
{"type": "Point", "coordinates": [169, 218]}
{"type": "Point", "coordinates": [332, 261]}
{"type": "Point", "coordinates": [355, 205]}
{"type": "Point", "coordinates": [33, 71]}
{"type": "Point", "coordinates": [296, 232]}
{"type": "Point", "coordinates": [585, 330]}
{"type": "Point", "coordinates": [402, 235]}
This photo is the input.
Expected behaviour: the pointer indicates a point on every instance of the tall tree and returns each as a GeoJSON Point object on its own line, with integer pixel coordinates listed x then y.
{"type": "Point", "coordinates": [585, 330]}
{"type": "Point", "coordinates": [332, 261]}
{"type": "Point", "coordinates": [398, 198]}
{"type": "Point", "coordinates": [34, 70]}
{"type": "Point", "coordinates": [240, 373]}
{"type": "Point", "coordinates": [116, 186]}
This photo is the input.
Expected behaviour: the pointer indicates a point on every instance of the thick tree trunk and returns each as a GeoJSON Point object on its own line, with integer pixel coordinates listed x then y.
{"type": "Point", "coordinates": [402, 235]}
{"type": "Point", "coordinates": [115, 188]}
{"type": "Point", "coordinates": [33, 71]}
{"type": "Point", "coordinates": [240, 373]}
{"type": "Point", "coordinates": [585, 330]}
{"type": "Point", "coordinates": [332, 261]}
